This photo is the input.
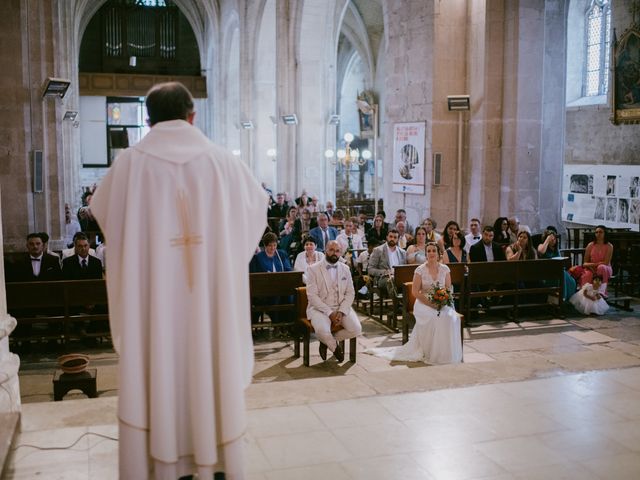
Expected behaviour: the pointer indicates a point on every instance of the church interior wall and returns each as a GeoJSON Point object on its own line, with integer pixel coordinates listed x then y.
{"type": "Point", "coordinates": [267, 58]}
{"type": "Point", "coordinates": [264, 92]}
{"type": "Point", "coordinates": [590, 136]}
{"type": "Point", "coordinates": [454, 35]}
{"type": "Point", "coordinates": [316, 91]}
{"type": "Point", "coordinates": [522, 118]}
{"type": "Point", "coordinates": [553, 113]}
{"type": "Point", "coordinates": [30, 123]}
{"type": "Point", "coordinates": [409, 26]}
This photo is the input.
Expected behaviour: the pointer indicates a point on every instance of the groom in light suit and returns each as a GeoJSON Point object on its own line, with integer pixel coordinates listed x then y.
{"type": "Point", "coordinates": [330, 293]}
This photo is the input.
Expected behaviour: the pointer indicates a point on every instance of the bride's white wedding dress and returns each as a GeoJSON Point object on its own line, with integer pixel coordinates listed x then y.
{"type": "Point", "coordinates": [435, 339]}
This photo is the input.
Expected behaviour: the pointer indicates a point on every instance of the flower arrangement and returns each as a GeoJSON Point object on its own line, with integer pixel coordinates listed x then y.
{"type": "Point", "coordinates": [440, 296]}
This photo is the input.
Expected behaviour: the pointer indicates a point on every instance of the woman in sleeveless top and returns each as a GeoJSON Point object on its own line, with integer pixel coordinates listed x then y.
{"type": "Point", "coordinates": [597, 258]}
{"type": "Point", "coordinates": [456, 252]}
{"type": "Point", "coordinates": [417, 253]}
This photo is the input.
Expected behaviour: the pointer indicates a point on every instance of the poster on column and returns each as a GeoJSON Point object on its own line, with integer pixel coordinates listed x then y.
{"type": "Point", "coordinates": [602, 195]}
{"type": "Point", "coordinates": [408, 157]}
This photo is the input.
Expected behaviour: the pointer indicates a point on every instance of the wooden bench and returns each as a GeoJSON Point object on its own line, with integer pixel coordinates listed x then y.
{"type": "Point", "coordinates": [307, 329]}
{"type": "Point", "coordinates": [65, 303]}
{"type": "Point", "coordinates": [266, 286]}
{"type": "Point", "coordinates": [488, 280]}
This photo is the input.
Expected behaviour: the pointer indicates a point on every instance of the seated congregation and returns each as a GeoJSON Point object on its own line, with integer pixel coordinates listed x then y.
{"type": "Point", "coordinates": [325, 264]}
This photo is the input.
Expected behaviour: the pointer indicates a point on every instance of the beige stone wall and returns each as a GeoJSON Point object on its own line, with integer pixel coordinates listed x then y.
{"type": "Point", "coordinates": [29, 122]}
{"type": "Point", "coordinates": [590, 136]}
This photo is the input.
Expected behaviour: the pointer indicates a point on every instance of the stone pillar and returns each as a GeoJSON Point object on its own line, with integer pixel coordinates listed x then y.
{"type": "Point", "coordinates": [286, 70]}
{"type": "Point", "coordinates": [409, 25]}
{"type": "Point", "coordinates": [485, 85]}
{"type": "Point", "coordinates": [9, 362]}
{"type": "Point", "coordinates": [553, 112]}
{"type": "Point", "coordinates": [522, 117]}
{"type": "Point", "coordinates": [30, 123]}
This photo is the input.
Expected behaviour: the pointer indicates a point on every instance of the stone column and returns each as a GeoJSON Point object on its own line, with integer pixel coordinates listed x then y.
{"type": "Point", "coordinates": [9, 362]}
{"type": "Point", "coordinates": [286, 71]}
{"type": "Point", "coordinates": [522, 116]}
{"type": "Point", "coordinates": [409, 86]}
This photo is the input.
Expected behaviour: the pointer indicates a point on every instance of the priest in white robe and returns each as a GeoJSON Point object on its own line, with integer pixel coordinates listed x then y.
{"type": "Point", "coordinates": [178, 297]}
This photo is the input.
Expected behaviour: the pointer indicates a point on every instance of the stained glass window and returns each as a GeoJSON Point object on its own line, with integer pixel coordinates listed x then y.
{"type": "Point", "coordinates": [598, 27]}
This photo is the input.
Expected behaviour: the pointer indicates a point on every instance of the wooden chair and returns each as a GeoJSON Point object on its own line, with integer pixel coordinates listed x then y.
{"type": "Point", "coordinates": [307, 329]}
{"type": "Point", "coordinates": [401, 275]}
{"type": "Point", "coordinates": [408, 319]}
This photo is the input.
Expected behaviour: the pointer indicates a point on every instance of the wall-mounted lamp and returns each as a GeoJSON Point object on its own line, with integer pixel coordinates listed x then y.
{"type": "Point", "coordinates": [458, 103]}
{"type": "Point", "coordinates": [247, 124]}
{"type": "Point", "coordinates": [70, 115]}
{"type": "Point", "coordinates": [334, 119]}
{"type": "Point", "coordinates": [236, 152]}
{"type": "Point", "coordinates": [133, 60]}
{"type": "Point", "coordinates": [290, 119]}
{"type": "Point", "coordinates": [271, 153]}
{"type": "Point", "coordinates": [55, 87]}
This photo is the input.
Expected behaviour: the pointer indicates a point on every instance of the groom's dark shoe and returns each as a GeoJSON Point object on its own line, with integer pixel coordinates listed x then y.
{"type": "Point", "coordinates": [339, 354]}
{"type": "Point", "coordinates": [323, 351]}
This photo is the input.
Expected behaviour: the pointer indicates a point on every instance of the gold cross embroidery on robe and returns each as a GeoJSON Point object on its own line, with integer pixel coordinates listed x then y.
{"type": "Point", "coordinates": [187, 239]}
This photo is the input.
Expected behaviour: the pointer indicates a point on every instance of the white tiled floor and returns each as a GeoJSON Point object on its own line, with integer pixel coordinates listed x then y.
{"type": "Point", "coordinates": [583, 426]}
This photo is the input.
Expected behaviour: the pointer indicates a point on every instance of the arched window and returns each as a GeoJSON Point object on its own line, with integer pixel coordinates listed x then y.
{"type": "Point", "coordinates": [598, 35]}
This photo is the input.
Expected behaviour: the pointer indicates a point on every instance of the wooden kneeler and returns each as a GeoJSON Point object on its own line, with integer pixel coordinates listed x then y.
{"type": "Point", "coordinates": [307, 328]}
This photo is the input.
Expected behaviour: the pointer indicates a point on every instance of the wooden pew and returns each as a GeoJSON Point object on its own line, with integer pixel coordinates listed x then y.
{"type": "Point", "coordinates": [264, 286]}
{"type": "Point", "coordinates": [307, 329]}
{"type": "Point", "coordinates": [63, 302]}
{"type": "Point", "coordinates": [514, 279]}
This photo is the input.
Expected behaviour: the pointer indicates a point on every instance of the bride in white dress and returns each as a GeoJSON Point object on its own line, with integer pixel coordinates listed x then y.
{"type": "Point", "coordinates": [435, 339]}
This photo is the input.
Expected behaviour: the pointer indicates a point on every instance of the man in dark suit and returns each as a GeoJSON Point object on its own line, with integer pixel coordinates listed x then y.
{"type": "Point", "coordinates": [81, 265]}
{"type": "Point", "coordinates": [37, 265]}
{"type": "Point", "coordinates": [280, 208]}
{"type": "Point", "coordinates": [486, 250]}
{"type": "Point", "coordinates": [323, 233]}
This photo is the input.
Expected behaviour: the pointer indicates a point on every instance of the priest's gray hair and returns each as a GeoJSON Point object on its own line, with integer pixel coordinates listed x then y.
{"type": "Point", "coordinates": [168, 101]}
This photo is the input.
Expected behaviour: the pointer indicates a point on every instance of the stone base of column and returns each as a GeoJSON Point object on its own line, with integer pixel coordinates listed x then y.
{"type": "Point", "coordinates": [9, 366]}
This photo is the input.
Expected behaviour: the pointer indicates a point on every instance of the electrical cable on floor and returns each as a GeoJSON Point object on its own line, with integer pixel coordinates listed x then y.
{"type": "Point", "coordinates": [70, 446]}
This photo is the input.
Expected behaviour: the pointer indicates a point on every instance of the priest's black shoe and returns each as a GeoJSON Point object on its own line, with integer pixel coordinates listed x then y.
{"type": "Point", "coordinates": [338, 353]}
{"type": "Point", "coordinates": [323, 351]}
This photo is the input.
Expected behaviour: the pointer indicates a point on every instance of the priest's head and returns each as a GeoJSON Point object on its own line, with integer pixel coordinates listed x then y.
{"type": "Point", "coordinates": [169, 101]}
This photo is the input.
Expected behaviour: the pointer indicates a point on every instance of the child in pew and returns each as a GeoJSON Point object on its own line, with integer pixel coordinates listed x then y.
{"type": "Point", "coordinates": [590, 298]}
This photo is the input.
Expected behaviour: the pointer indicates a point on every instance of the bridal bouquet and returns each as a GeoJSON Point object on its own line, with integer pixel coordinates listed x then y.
{"type": "Point", "coordinates": [440, 296]}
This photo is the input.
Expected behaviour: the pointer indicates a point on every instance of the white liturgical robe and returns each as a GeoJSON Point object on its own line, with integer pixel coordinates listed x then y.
{"type": "Point", "coordinates": [179, 300]}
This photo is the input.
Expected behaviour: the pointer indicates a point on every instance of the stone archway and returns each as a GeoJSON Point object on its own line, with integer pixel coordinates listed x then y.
{"type": "Point", "coordinates": [74, 18]}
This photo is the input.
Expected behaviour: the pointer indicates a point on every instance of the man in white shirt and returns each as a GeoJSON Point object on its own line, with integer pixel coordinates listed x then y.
{"type": "Point", "coordinates": [384, 258]}
{"type": "Point", "coordinates": [330, 293]}
{"type": "Point", "coordinates": [349, 240]}
{"type": "Point", "coordinates": [474, 235]}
